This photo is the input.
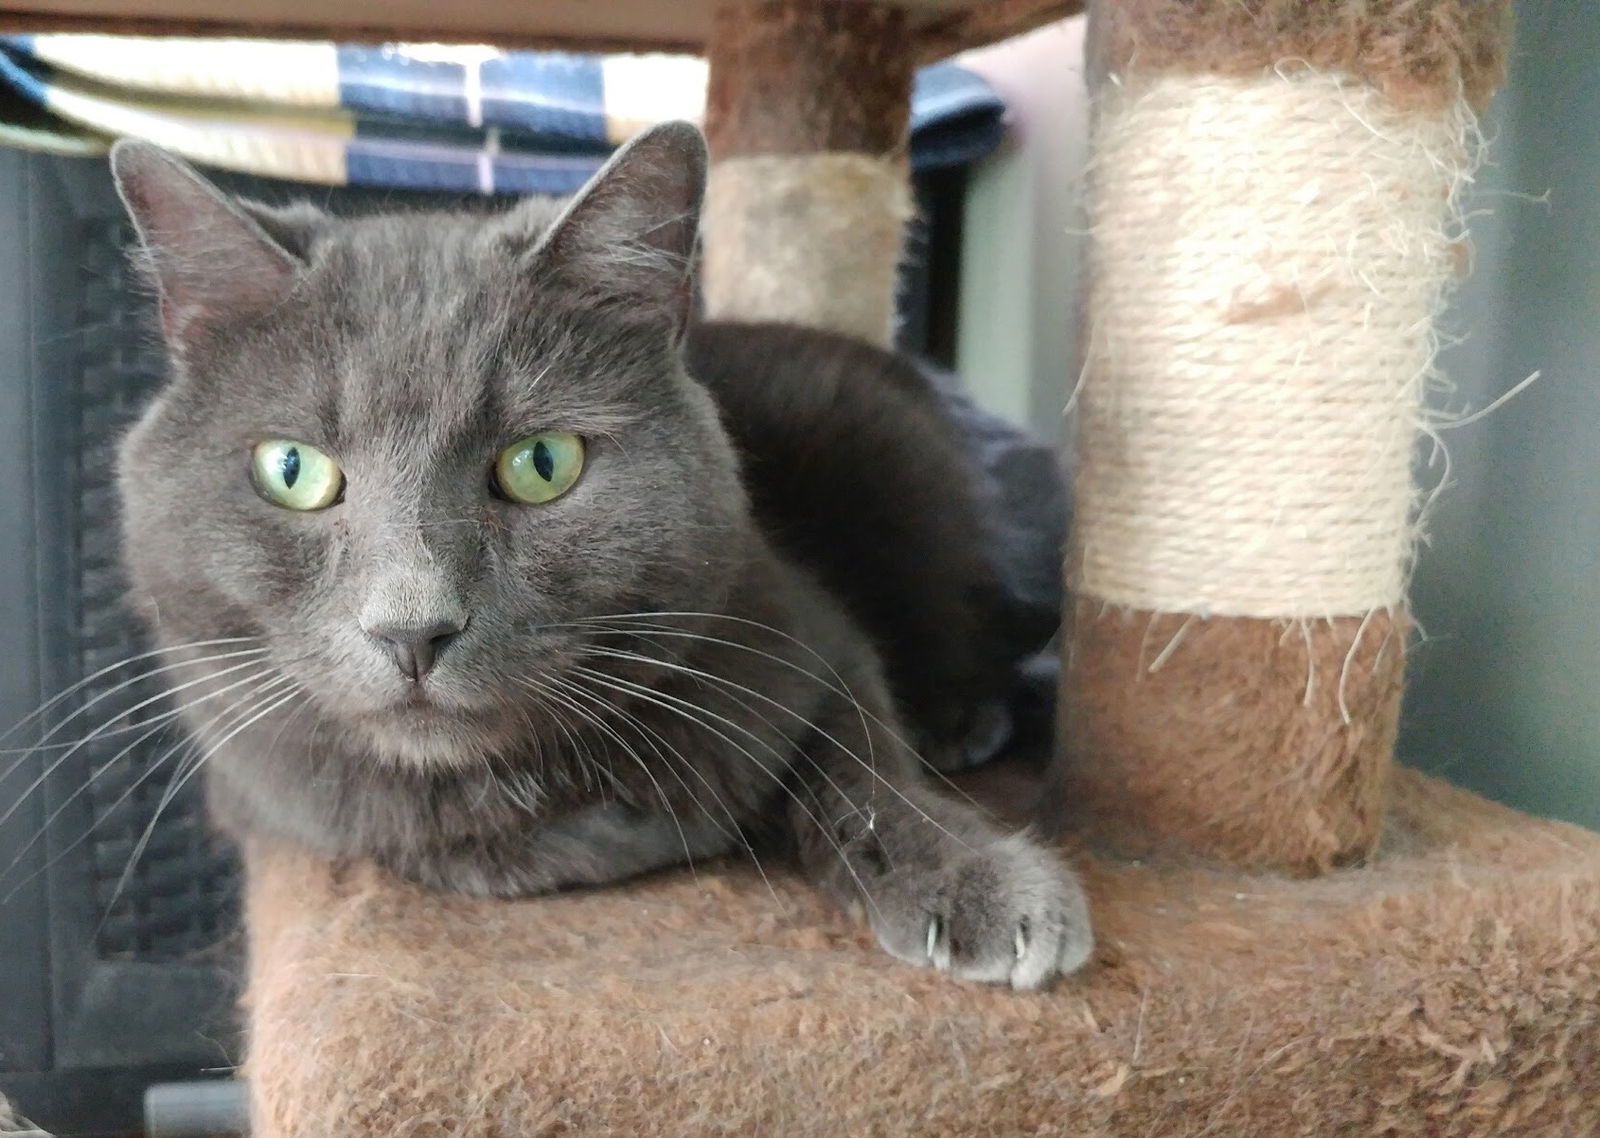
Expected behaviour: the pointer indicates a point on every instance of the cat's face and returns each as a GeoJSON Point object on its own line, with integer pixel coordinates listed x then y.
{"type": "Point", "coordinates": [414, 454]}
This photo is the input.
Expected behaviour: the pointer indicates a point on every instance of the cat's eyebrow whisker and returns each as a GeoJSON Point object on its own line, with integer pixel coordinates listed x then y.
{"type": "Point", "coordinates": [163, 716]}
{"type": "Point", "coordinates": [68, 692]}
{"type": "Point", "coordinates": [871, 770]}
{"type": "Point", "coordinates": [689, 712]}
{"type": "Point", "coordinates": [538, 379]}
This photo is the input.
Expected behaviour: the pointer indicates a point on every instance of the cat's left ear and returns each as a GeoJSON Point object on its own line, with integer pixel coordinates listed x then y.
{"type": "Point", "coordinates": [632, 231]}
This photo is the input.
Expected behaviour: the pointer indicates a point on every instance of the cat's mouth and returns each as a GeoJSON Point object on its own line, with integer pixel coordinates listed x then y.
{"type": "Point", "coordinates": [425, 707]}
{"type": "Point", "coordinates": [419, 701]}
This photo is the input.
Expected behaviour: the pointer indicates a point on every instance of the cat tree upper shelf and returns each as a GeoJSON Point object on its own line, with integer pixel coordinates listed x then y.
{"type": "Point", "coordinates": [936, 27]}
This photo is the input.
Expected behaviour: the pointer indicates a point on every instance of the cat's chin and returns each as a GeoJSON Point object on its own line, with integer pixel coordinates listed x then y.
{"type": "Point", "coordinates": [419, 736]}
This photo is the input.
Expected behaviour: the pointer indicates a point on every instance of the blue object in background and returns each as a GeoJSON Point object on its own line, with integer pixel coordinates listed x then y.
{"type": "Point", "coordinates": [404, 117]}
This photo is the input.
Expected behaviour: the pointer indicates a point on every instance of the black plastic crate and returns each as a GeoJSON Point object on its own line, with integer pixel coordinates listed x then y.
{"type": "Point", "coordinates": [113, 971]}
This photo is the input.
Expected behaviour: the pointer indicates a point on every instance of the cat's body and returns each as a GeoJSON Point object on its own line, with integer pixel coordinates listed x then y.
{"type": "Point", "coordinates": [857, 470]}
{"type": "Point", "coordinates": [663, 661]}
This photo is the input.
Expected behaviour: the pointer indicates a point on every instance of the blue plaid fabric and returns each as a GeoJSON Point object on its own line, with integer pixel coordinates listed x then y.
{"type": "Point", "coordinates": [404, 116]}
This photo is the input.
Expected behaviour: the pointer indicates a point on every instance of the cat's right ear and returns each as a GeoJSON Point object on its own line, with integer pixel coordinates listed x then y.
{"type": "Point", "coordinates": [209, 259]}
{"type": "Point", "coordinates": [633, 230]}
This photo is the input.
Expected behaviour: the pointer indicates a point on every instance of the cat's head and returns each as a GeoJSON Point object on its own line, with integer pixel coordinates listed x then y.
{"type": "Point", "coordinates": [411, 454]}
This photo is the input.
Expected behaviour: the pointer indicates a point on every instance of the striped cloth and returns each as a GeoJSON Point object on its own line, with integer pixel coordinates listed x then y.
{"type": "Point", "coordinates": [413, 116]}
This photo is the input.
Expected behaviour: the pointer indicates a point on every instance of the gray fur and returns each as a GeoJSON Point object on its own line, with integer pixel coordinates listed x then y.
{"type": "Point", "coordinates": [642, 679]}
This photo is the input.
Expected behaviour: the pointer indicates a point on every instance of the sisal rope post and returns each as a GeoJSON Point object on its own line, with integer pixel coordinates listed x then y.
{"type": "Point", "coordinates": [1272, 214]}
{"type": "Point", "coordinates": [807, 116]}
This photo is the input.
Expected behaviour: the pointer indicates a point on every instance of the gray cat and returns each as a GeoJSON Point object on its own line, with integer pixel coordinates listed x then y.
{"type": "Point", "coordinates": [456, 558]}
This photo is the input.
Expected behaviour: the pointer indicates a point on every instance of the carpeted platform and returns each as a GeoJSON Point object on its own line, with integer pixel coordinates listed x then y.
{"type": "Point", "coordinates": [1450, 988]}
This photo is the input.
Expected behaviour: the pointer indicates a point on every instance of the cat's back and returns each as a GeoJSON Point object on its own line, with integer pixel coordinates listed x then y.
{"type": "Point", "coordinates": [856, 470]}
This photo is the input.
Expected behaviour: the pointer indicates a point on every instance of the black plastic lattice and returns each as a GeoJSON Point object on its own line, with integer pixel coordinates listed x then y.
{"type": "Point", "coordinates": [178, 896]}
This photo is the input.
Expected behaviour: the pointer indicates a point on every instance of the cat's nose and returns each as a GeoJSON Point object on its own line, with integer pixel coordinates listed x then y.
{"type": "Point", "coordinates": [415, 647]}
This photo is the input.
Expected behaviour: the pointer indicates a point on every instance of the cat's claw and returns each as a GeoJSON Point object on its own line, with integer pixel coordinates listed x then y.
{"type": "Point", "coordinates": [1009, 914]}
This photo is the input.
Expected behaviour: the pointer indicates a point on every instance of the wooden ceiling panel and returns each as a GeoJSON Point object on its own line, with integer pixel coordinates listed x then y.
{"type": "Point", "coordinates": [940, 26]}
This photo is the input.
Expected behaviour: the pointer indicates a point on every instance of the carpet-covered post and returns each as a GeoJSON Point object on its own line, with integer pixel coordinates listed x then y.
{"type": "Point", "coordinates": [1272, 202]}
{"type": "Point", "coordinates": [807, 117]}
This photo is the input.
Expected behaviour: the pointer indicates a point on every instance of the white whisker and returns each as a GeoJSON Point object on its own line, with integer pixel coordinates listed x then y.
{"type": "Point", "coordinates": [689, 712]}
{"type": "Point", "coordinates": [276, 700]}
{"type": "Point", "coordinates": [629, 625]}
{"type": "Point", "coordinates": [180, 745]}
{"type": "Point", "coordinates": [661, 793]}
{"type": "Point", "coordinates": [871, 769]}
{"type": "Point", "coordinates": [163, 717]}
{"type": "Point", "coordinates": [43, 743]}
{"type": "Point", "coordinates": [93, 676]}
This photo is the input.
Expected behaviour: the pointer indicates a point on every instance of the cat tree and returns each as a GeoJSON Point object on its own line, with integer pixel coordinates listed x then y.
{"type": "Point", "coordinates": [1310, 940]}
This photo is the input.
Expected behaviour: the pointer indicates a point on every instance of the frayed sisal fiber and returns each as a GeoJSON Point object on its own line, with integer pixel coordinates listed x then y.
{"type": "Point", "coordinates": [1448, 989]}
{"type": "Point", "coordinates": [1269, 255]}
{"type": "Point", "coordinates": [808, 239]}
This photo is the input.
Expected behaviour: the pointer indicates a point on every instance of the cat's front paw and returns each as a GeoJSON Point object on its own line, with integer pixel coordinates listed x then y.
{"type": "Point", "coordinates": [1008, 912]}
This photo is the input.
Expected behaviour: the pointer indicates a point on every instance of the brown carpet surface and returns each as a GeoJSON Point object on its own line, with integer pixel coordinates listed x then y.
{"type": "Point", "coordinates": [1422, 53]}
{"type": "Point", "coordinates": [1263, 743]}
{"type": "Point", "coordinates": [1451, 987]}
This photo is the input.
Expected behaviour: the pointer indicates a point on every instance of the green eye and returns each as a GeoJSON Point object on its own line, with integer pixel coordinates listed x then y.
{"type": "Point", "coordinates": [540, 468]}
{"type": "Point", "coordinates": [295, 476]}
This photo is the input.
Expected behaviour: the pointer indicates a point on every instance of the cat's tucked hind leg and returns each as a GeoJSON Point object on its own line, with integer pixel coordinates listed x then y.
{"type": "Point", "coordinates": [938, 882]}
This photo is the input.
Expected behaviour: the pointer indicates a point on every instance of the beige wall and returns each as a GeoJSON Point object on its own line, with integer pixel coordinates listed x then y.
{"type": "Point", "coordinates": [1023, 238]}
